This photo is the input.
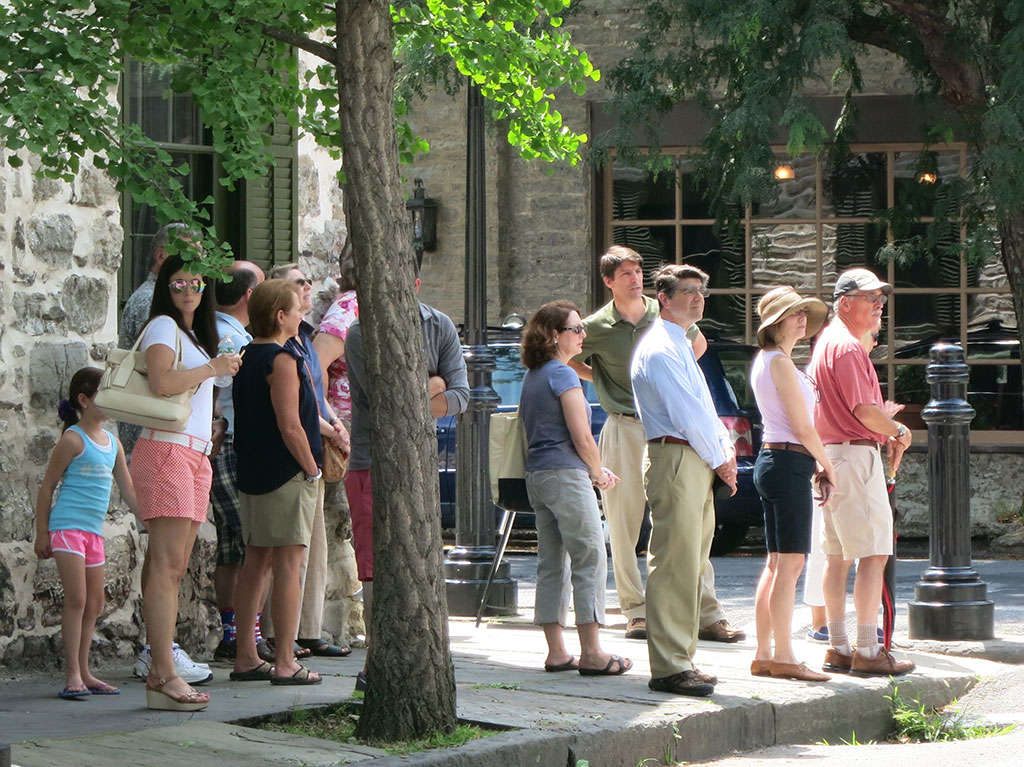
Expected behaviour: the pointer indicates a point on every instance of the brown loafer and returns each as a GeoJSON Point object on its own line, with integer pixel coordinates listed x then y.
{"type": "Point", "coordinates": [883, 664]}
{"type": "Point", "coordinates": [798, 671]}
{"type": "Point", "coordinates": [721, 631]}
{"type": "Point", "coordinates": [760, 667]}
{"type": "Point", "coordinates": [836, 661]}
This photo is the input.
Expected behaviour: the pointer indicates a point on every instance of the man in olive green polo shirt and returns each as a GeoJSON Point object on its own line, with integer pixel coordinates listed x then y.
{"type": "Point", "coordinates": [612, 333]}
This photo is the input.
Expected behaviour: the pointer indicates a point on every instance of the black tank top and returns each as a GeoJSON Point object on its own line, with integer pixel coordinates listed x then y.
{"type": "Point", "coordinates": [264, 461]}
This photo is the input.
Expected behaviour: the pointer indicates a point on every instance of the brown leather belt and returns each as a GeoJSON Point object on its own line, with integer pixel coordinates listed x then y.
{"type": "Point", "coordinates": [861, 443]}
{"type": "Point", "coordinates": [790, 447]}
{"type": "Point", "coordinates": [668, 441]}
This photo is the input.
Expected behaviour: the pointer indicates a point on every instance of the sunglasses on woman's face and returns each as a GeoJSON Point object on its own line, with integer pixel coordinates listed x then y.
{"type": "Point", "coordinates": [303, 282]}
{"type": "Point", "coordinates": [577, 329]}
{"type": "Point", "coordinates": [180, 286]}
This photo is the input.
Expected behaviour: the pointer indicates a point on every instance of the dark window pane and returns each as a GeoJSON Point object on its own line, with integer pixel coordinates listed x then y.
{"type": "Point", "coordinates": [655, 244]}
{"type": "Point", "coordinates": [718, 254]}
{"type": "Point", "coordinates": [796, 196]}
{"type": "Point", "coordinates": [785, 255]}
{"type": "Point", "coordinates": [918, 177]}
{"type": "Point", "coordinates": [845, 246]}
{"type": "Point", "coordinates": [941, 270]}
{"type": "Point", "coordinates": [636, 194]}
{"type": "Point", "coordinates": [921, 320]}
{"type": "Point", "coordinates": [725, 318]}
{"type": "Point", "coordinates": [695, 203]}
{"type": "Point", "coordinates": [995, 393]}
{"type": "Point", "coordinates": [856, 189]}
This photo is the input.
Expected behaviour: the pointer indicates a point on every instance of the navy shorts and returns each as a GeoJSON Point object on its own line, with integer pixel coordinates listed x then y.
{"type": "Point", "coordinates": [783, 480]}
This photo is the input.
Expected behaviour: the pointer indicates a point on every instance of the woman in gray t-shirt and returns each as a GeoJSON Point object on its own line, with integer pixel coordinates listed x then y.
{"type": "Point", "coordinates": [562, 468]}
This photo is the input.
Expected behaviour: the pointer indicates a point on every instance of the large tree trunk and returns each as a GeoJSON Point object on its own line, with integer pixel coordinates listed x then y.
{"type": "Point", "coordinates": [412, 687]}
{"type": "Point", "coordinates": [1011, 234]}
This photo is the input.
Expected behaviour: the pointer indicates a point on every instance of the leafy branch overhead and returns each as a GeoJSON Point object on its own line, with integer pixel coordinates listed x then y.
{"type": "Point", "coordinates": [61, 62]}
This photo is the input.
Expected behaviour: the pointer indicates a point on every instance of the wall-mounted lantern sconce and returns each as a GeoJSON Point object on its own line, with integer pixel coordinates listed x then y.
{"type": "Point", "coordinates": [424, 218]}
{"type": "Point", "coordinates": [927, 177]}
{"type": "Point", "coordinates": [784, 173]}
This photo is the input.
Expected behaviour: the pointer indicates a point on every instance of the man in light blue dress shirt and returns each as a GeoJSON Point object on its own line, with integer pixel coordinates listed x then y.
{"type": "Point", "coordinates": [687, 446]}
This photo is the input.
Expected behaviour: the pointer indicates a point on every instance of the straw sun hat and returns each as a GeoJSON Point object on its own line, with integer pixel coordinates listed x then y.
{"type": "Point", "coordinates": [779, 303]}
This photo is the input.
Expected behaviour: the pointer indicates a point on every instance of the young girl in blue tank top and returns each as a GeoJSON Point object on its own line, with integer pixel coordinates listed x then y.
{"type": "Point", "coordinates": [82, 464]}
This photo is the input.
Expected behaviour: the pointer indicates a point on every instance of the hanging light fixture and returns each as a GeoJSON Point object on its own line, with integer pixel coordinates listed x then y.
{"type": "Point", "coordinates": [784, 173]}
{"type": "Point", "coordinates": [927, 177]}
{"type": "Point", "coordinates": [423, 210]}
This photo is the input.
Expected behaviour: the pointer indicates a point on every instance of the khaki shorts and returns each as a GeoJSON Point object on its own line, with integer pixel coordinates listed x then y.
{"type": "Point", "coordinates": [282, 517]}
{"type": "Point", "coordinates": [858, 519]}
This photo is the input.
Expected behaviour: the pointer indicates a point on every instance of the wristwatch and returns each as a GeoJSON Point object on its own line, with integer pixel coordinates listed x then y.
{"type": "Point", "coordinates": [901, 430]}
{"type": "Point", "coordinates": [314, 477]}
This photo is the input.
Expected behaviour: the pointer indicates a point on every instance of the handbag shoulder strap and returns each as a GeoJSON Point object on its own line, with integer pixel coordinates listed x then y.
{"type": "Point", "coordinates": [178, 351]}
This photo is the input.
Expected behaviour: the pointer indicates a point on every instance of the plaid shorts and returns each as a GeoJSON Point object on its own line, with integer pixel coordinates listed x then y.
{"type": "Point", "coordinates": [224, 497]}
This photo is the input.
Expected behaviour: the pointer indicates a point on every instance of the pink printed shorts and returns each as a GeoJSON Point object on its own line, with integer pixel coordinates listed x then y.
{"type": "Point", "coordinates": [89, 546]}
{"type": "Point", "coordinates": [170, 480]}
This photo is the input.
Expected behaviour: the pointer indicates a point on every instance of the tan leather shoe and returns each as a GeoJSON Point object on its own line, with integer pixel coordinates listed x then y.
{"type": "Point", "coordinates": [836, 661]}
{"type": "Point", "coordinates": [883, 664]}
{"type": "Point", "coordinates": [760, 667]}
{"type": "Point", "coordinates": [798, 671]}
{"type": "Point", "coordinates": [636, 628]}
{"type": "Point", "coordinates": [721, 631]}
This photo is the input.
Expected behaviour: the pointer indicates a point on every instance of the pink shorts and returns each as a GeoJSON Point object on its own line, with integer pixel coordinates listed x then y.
{"type": "Point", "coordinates": [89, 546]}
{"type": "Point", "coordinates": [170, 480]}
{"type": "Point", "coordinates": [360, 504]}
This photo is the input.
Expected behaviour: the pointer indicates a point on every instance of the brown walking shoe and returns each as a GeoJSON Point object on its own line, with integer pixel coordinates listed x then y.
{"type": "Point", "coordinates": [883, 664]}
{"type": "Point", "coordinates": [721, 631]}
{"type": "Point", "coordinates": [636, 628]}
{"type": "Point", "coordinates": [683, 683]}
{"type": "Point", "coordinates": [836, 662]}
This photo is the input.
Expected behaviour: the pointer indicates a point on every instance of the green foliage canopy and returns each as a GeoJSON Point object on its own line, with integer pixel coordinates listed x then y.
{"type": "Point", "coordinates": [61, 62]}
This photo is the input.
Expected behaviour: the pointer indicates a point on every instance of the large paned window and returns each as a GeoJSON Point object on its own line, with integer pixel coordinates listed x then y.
{"type": "Point", "coordinates": [822, 222]}
{"type": "Point", "coordinates": [257, 218]}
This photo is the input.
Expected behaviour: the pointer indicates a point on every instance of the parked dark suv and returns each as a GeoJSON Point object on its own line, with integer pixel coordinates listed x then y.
{"type": "Point", "coordinates": [726, 367]}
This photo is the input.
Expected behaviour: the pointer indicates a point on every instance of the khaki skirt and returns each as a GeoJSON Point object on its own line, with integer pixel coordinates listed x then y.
{"type": "Point", "coordinates": [282, 517]}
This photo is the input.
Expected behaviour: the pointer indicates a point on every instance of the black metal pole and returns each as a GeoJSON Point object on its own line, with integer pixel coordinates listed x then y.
{"type": "Point", "coordinates": [469, 563]}
{"type": "Point", "coordinates": [950, 600]}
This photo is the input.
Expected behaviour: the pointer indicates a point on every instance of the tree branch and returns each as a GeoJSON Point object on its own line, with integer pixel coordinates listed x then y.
{"type": "Point", "coordinates": [870, 30]}
{"type": "Point", "coordinates": [960, 77]}
{"type": "Point", "coordinates": [321, 50]}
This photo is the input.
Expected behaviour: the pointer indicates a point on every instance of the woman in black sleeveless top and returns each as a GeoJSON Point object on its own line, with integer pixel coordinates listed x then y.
{"type": "Point", "coordinates": [277, 444]}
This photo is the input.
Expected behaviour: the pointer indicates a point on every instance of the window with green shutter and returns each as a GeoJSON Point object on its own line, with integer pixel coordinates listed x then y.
{"type": "Point", "coordinates": [258, 218]}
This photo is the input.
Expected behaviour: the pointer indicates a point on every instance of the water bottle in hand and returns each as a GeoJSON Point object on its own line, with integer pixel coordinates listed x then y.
{"type": "Point", "coordinates": [225, 346]}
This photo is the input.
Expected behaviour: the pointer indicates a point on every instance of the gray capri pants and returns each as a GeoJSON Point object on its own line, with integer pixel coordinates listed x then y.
{"type": "Point", "coordinates": [568, 531]}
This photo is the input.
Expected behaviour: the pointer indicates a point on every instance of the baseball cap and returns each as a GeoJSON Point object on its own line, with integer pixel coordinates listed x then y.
{"type": "Point", "coordinates": [859, 279]}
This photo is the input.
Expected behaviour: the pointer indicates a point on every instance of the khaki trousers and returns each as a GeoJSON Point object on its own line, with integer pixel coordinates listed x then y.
{"type": "Point", "coordinates": [312, 576]}
{"type": "Point", "coordinates": [678, 487]}
{"type": "Point", "coordinates": [623, 444]}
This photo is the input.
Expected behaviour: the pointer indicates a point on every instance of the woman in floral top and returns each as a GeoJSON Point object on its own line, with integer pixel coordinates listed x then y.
{"type": "Point", "coordinates": [330, 346]}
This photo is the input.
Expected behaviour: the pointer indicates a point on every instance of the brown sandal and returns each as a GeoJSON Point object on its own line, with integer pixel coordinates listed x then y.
{"type": "Point", "coordinates": [158, 700]}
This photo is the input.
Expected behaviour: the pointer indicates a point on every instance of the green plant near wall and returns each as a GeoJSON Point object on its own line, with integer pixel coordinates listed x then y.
{"type": "Point", "coordinates": [916, 723]}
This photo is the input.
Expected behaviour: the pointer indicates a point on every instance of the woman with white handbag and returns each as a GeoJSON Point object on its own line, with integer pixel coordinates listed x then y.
{"type": "Point", "coordinates": [170, 469]}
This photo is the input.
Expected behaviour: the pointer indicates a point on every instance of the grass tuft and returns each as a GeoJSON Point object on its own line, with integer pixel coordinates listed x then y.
{"type": "Point", "coordinates": [915, 723]}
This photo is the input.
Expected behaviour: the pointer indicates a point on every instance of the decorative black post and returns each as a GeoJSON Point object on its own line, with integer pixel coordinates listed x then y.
{"type": "Point", "coordinates": [950, 599]}
{"type": "Point", "coordinates": [5, 755]}
{"type": "Point", "coordinates": [469, 562]}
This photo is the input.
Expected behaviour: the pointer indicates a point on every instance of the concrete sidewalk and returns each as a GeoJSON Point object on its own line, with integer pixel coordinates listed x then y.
{"type": "Point", "coordinates": [551, 719]}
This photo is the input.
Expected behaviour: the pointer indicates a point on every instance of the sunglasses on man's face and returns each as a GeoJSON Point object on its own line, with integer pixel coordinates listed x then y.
{"type": "Point", "coordinates": [180, 286]}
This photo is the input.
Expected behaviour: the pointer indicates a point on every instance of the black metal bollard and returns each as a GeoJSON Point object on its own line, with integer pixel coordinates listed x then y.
{"type": "Point", "coordinates": [5, 755]}
{"type": "Point", "coordinates": [950, 600]}
{"type": "Point", "coordinates": [469, 563]}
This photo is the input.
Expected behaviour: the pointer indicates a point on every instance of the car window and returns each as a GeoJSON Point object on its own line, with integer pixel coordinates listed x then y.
{"type": "Point", "coordinates": [507, 379]}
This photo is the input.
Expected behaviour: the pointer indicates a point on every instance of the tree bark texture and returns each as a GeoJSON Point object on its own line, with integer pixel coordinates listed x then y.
{"type": "Point", "coordinates": [412, 680]}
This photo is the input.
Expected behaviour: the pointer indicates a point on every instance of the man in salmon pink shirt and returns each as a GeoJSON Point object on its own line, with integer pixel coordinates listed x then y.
{"type": "Point", "coordinates": [851, 421]}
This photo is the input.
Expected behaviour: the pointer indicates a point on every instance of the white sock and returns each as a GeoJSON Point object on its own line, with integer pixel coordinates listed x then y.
{"type": "Point", "coordinates": [837, 638]}
{"type": "Point", "coordinates": [867, 639]}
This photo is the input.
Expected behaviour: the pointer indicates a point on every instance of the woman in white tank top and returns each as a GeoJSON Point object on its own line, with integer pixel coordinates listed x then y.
{"type": "Point", "coordinates": [791, 454]}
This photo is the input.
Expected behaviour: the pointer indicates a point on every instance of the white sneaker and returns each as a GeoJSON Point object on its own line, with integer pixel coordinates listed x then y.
{"type": "Point", "coordinates": [193, 673]}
